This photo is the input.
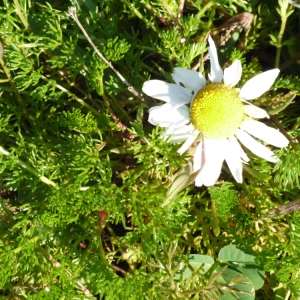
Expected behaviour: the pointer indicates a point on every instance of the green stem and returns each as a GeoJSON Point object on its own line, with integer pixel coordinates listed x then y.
{"type": "Point", "coordinates": [139, 15]}
{"type": "Point", "coordinates": [14, 88]}
{"type": "Point", "coordinates": [283, 131]}
{"type": "Point", "coordinates": [20, 14]}
{"type": "Point", "coordinates": [73, 15]}
{"type": "Point", "coordinates": [30, 169]}
{"type": "Point", "coordinates": [279, 41]}
{"type": "Point", "coordinates": [9, 77]}
{"type": "Point", "coordinates": [205, 8]}
{"type": "Point", "coordinates": [90, 108]}
{"type": "Point", "coordinates": [284, 11]}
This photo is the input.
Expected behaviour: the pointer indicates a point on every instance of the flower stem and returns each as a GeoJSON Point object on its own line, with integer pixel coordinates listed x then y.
{"type": "Point", "coordinates": [279, 40]}
{"type": "Point", "coordinates": [284, 11]}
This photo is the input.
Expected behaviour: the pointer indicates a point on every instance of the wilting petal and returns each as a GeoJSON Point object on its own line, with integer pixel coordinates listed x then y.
{"type": "Point", "coordinates": [166, 115]}
{"type": "Point", "coordinates": [255, 147]}
{"type": "Point", "coordinates": [191, 139]}
{"type": "Point", "coordinates": [263, 132]}
{"type": "Point", "coordinates": [234, 162]}
{"type": "Point", "coordinates": [168, 92]}
{"type": "Point", "coordinates": [216, 73]}
{"type": "Point", "coordinates": [255, 112]}
{"type": "Point", "coordinates": [214, 156]}
{"type": "Point", "coordinates": [232, 75]}
{"type": "Point", "coordinates": [258, 85]}
{"type": "Point", "coordinates": [189, 78]}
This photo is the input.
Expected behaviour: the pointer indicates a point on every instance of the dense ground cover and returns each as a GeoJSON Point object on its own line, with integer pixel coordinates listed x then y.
{"type": "Point", "coordinates": [94, 204]}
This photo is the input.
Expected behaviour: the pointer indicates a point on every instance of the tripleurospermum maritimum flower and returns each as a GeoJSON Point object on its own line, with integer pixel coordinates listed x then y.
{"type": "Point", "coordinates": [219, 113]}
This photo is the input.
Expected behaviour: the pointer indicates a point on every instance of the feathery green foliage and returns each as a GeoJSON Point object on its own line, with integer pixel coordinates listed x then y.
{"type": "Point", "coordinates": [85, 178]}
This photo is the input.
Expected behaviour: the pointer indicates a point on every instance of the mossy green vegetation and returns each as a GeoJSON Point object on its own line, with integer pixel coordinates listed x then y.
{"type": "Point", "coordinates": [88, 206]}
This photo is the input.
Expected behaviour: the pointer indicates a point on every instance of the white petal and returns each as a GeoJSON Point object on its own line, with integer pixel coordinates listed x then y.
{"type": "Point", "coordinates": [198, 180]}
{"type": "Point", "coordinates": [178, 134]}
{"type": "Point", "coordinates": [216, 73]}
{"type": "Point", "coordinates": [255, 112]}
{"type": "Point", "coordinates": [213, 160]}
{"type": "Point", "coordinates": [184, 129]}
{"type": "Point", "coordinates": [168, 92]}
{"type": "Point", "coordinates": [188, 142]}
{"type": "Point", "coordinates": [198, 158]}
{"type": "Point", "coordinates": [234, 161]}
{"type": "Point", "coordinates": [232, 75]}
{"type": "Point", "coordinates": [255, 147]}
{"type": "Point", "coordinates": [177, 138]}
{"type": "Point", "coordinates": [258, 85]}
{"type": "Point", "coordinates": [263, 132]}
{"type": "Point", "coordinates": [189, 78]}
{"type": "Point", "coordinates": [241, 152]}
{"type": "Point", "coordinates": [166, 115]}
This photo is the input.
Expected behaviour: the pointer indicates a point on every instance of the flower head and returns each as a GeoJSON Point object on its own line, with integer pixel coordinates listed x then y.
{"type": "Point", "coordinates": [219, 113]}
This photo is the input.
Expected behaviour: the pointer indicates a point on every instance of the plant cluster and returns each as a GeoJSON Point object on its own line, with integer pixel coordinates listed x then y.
{"type": "Point", "coordinates": [94, 204]}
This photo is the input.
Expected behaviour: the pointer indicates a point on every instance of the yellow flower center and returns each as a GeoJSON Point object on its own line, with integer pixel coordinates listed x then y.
{"type": "Point", "coordinates": [217, 111]}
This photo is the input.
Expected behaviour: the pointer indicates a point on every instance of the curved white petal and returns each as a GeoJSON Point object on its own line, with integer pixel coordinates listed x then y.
{"type": "Point", "coordinates": [214, 156]}
{"type": "Point", "coordinates": [166, 115]}
{"type": "Point", "coordinates": [232, 75]}
{"type": "Point", "coordinates": [191, 139]}
{"type": "Point", "coordinates": [255, 112]}
{"type": "Point", "coordinates": [263, 132]}
{"type": "Point", "coordinates": [168, 92]}
{"type": "Point", "coordinates": [178, 138]}
{"type": "Point", "coordinates": [189, 78]}
{"type": "Point", "coordinates": [216, 73]}
{"type": "Point", "coordinates": [198, 158]}
{"type": "Point", "coordinates": [178, 134]}
{"type": "Point", "coordinates": [240, 150]}
{"type": "Point", "coordinates": [258, 85]}
{"type": "Point", "coordinates": [183, 129]}
{"type": "Point", "coordinates": [234, 162]}
{"type": "Point", "coordinates": [255, 147]}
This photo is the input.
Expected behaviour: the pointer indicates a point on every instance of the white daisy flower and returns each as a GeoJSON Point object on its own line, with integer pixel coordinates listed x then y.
{"type": "Point", "coordinates": [218, 112]}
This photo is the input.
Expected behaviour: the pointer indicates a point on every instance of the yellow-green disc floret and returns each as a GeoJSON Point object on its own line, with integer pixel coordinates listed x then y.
{"type": "Point", "coordinates": [217, 111]}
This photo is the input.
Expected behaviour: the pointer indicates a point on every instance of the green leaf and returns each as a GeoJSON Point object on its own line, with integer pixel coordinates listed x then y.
{"type": "Point", "coordinates": [197, 261]}
{"type": "Point", "coordinates": [244, 263]}
{"type": "Point", "coordinates": [231, 253]}
{"type": "Point", "coordinates": [90, 5]}
{"type": "Point", "coordinates": [236, 286]}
